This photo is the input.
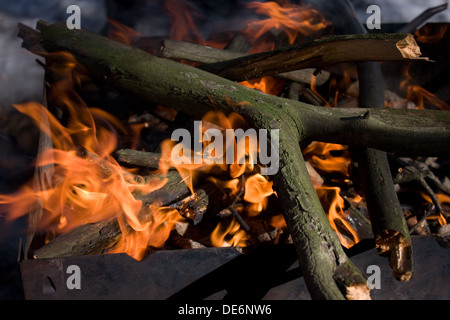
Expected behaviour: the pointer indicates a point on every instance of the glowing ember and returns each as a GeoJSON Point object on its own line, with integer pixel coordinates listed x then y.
{"type": "Point", "coordinates": [269, 85]}
{"type": "Point", "coordinates": [443, 199]}
{"type": "Point", "coordinates": [257, 191]}
{"type": "Point", "coordinates": [122, 33]}
{"type": "Point", "coordinates": [227, 235]}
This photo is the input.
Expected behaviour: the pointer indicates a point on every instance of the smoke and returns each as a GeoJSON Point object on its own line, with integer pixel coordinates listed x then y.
{"type": "Point", "coordinates": [21, 78]}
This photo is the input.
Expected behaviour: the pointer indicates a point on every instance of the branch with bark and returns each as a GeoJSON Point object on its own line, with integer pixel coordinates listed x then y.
{"type": "Point", "coordinates": [389, 226]}
{"type": "Point", "coordinates": [181, 50]}
{"type": "Point", "coordinates": [328, 272]}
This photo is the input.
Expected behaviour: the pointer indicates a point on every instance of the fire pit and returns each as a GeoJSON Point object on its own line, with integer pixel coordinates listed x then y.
{"type": "Point", "coordinates": [209, 150]}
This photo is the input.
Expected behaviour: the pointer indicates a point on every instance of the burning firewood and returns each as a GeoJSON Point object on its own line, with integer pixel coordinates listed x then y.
{"type": "Point", "coordinates": [329, 273]}
{"type": "Point", "coordinates": [101, 236]}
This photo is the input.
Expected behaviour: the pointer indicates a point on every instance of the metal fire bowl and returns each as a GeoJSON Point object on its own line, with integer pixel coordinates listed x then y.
{"type": "Point", "coordinates": [223, 273]}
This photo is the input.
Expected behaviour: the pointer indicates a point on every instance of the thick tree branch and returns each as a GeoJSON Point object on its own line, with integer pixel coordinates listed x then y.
{"type": "Point", "coordinates": [197, 53]}
{"type": "Point", "coordinates": [404, 132]}
{"type": "Point", "coordinates": [318, 54]}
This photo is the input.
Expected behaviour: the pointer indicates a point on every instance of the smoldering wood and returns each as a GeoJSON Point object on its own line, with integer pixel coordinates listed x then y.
{"type": "Point", "coordinates": [100, 236]}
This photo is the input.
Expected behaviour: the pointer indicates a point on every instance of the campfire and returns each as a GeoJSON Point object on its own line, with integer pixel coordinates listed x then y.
{"type": "Point", "coordinates": [277, 131]}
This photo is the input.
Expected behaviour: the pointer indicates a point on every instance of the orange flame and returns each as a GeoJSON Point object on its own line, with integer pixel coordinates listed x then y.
{"type": "Point", "coordinates": [182, 16]}
{"type": "Point", "coordinates": [278, 221]}
{"type": "Point", "coordinates": [153, 232]}
{"type": "Point", "coordinates": [320, 155]}
{"type": "Point", "coordinates": [289, 18]}
{"type": "Point", "coordinates": [314, 90]}
{"type": "Point", "coordinates": [257, 191]}
{"type": "Point", "coordinates": [334, 206]}
{"type": "Point", "coordinates": [189, 168]}
{"type": "Point", "coordinates": [122, 33]}
{"type": "Point", "coordinates": [420, 95]}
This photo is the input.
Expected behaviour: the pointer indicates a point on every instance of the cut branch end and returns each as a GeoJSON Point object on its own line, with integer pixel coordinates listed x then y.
{"type": "Point", "coordinates": [399, 249]}
{"type": "Point", "coordinates": [409, 49]}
